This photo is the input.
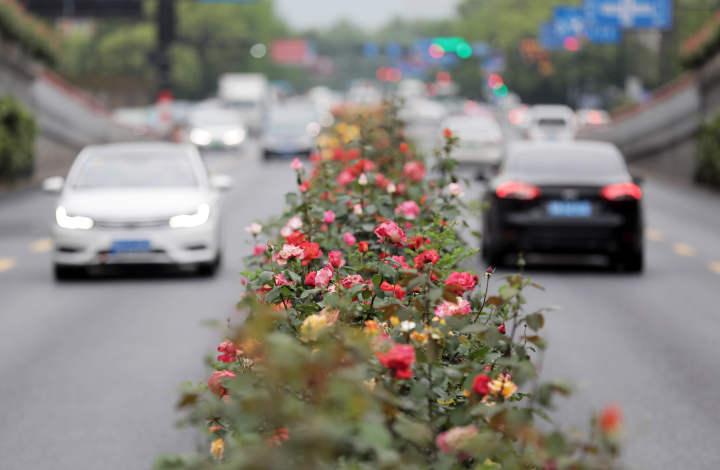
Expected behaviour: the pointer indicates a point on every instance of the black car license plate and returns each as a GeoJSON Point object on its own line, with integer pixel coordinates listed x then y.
{"type": "Point", "coordinates": [569, 209]}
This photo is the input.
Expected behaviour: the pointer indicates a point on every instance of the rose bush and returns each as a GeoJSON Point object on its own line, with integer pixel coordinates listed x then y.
{"type": "Point", "coordinates": [366, 343]}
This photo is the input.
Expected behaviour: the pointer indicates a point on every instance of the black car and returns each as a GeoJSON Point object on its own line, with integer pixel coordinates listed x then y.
{"type": "Point", "coordinates": [564, 197]}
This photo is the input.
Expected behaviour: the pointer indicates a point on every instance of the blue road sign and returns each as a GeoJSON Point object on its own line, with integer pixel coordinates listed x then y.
{"type": "Point", "coordinates": [603, 33]}
{"type": "Point", "coordinates": [394, 51]}
{"type": "Point", "coordinates": [371, 50]}
{"type": "Point", "coordinates": [631, 14]}
{"type": "Point", "coordinates": [568, 21]}
{"type": "Point", "coordinates": [547, 37]}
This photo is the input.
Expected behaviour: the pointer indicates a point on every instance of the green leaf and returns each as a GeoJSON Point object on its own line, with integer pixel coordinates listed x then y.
{"type": "Point", "coordinates": [417, 433]}
{"type": "Point", "coordinates": [535, 321]}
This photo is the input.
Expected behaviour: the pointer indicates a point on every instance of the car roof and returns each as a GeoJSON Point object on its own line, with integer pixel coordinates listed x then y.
{"type": "Point", "coordinates": [133, 147]}
{"type": "Point", "coordinates": [575, 145]}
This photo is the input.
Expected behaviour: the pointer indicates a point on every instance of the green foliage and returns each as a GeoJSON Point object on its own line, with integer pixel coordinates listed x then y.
{"type": "Point", "coordinates": [393, 358]}
{"type": "Point", "coordinates": [708, 154]}
{"type": "Point", "coordinates": [17, 139]}
{"type": "Point", "coordinates": [33, 36]}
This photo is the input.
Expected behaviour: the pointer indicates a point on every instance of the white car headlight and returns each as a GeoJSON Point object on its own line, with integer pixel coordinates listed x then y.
{"type": "Point", "coordinates": [191, 220]}
{"type": "Point", "coordinates": [234, 136]}
{"type": "Point", "coordinates": [200, 136]}
{"type": "Point", "coordinates": [76, 222]}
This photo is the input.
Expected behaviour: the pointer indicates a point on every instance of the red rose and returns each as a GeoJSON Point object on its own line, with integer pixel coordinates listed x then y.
{"type": "Point", "coordinates": [447, 133]}
{"type": "Point", "coordinates": [311, 251]}
{"type": "Point", "coordinates": [296, 238]}
{"type": "Point", "coordinates": [399, 359]}
{"type": "Point", "coordinates": [363, 247]}
{"type": "Point", "coordinates": [460, 282]}
{"type": "Point", "coordinates": [417, 241]}
{"type": "Point", "coordinates": [610, 419]}
{"type": "Point", "coordinates": [310, 279]}
{"type": "Point", "coordinates": [397, 290]}
{"type": "Point", "coordinates": [400, 260]}
{"type": "Point", "coordinates": [427, 256]}
{"type": "Point", "coordinates": [501, 328]}
{"type": "Point", "coordinates": [404, 147]}
{"type": "Point", "coordinates": [381, 181]}
{"type": "Point", "coordinates": [229, 352]}
{"type": "Point", "coordinates": [481, 384]}
{"type": "Point", "coordinates": [215, 382]}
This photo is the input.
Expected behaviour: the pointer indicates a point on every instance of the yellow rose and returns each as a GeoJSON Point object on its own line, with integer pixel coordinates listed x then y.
{"type": "Point", "coordinates": [503, 385]}
{"type": "Point", "coordinates": [217, 448]}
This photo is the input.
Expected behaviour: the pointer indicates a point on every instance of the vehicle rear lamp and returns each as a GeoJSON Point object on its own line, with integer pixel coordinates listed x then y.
{"type": "Point", "coordinates": [517, 190]}
{"type": "Point", "coordinates": [621, 191]}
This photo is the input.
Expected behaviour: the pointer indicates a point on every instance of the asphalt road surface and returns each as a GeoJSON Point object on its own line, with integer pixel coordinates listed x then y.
{"type": "Point", "coordinates": [90, 370]}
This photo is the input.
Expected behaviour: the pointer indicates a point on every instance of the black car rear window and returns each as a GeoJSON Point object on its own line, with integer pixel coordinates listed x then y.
{"type": "Point", "coordinates": [566, 163]}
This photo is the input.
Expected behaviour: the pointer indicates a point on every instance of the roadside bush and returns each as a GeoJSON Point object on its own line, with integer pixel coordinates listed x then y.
{"type": "Point", "coordinates": [363, 343]}
{"type": "Point", "coordinates": [708, 154]}
{"type": "Point", "coordinates": [32, 35]}
{"type": "Point", "coordinates": [17, 139]}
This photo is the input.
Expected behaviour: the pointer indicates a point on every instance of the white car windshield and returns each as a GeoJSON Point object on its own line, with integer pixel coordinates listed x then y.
{"type": "Point", "coordinates": [136, 169]}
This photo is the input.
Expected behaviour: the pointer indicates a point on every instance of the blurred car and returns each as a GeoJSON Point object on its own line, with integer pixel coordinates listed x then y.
{"type": "Point", "coordinates": [422, 111]}
{"type": "Point", "coordinates": [551, 122]}
{"type": "Point", "coordinates": [481, 140]}
{"type": "Point", "coordinates": [564, 197]}
{"type": "Point", "coordinates": [291, 131]}
{"type": "Point", "coordinates": [216, 128]}
{"type": "Point", "coordinates": [137, 203]}
{"type": "Point", "coordinates": [593, 117]}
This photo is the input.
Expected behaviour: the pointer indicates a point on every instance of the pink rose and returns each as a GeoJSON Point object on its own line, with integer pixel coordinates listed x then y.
{"type": "Point", "coordinates": [352, 280]}
{"type": "Point", "coordinates": [390, 231]}
{"type": "Point", "coordinates": [345, 177]}
{"type": "Point", "coordinates": [329, 217]}
{"type": "Point", "coordinates": [336, 259]}
{"type": "Point", "coordinates": [408, 209]}
{"type": "Point", "coordinates": [281, 280]}
{"type": "Point", "coordinates": [296, 164]}
{"type": "Point", "coordinates": [452, 440]}
{"type": "Point", "coordinates": [349, 238]}
{"type": "Point", "coordinates": [414, 171]}
{"type": "Point", "coordinates": [323, 277]}
{"type": "Point", "coordinates": [460, 282]}
{"type": "Point", "coordinates": [449, 309]}
{"type": "Point", "coordinates": [259, 250]}
{"type": "Point", "coordinates": [215, 382]}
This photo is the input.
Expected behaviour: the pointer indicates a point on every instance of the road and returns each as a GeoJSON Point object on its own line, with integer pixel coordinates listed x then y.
{"type": "Point", "coordinates": [90, 370]}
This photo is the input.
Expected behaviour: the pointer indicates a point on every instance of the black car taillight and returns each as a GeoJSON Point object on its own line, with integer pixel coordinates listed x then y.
{"type": "Point", "coordinates": [622, 192]}
{"type": "Point", "coordinates": [517, 190]}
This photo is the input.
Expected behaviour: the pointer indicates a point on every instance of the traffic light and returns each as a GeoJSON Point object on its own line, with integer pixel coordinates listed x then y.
{"type": "Point", "coordinates": [456, 45]}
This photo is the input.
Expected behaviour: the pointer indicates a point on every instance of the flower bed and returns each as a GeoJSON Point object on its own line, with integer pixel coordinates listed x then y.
{"type": "Point", "coordinates": [366, 344]}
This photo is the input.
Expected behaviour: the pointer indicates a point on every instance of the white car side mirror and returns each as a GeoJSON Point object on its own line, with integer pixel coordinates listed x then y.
{"type": "Point", "coordinates": [221, 182]}
{"type": "Point", "coordinates": [53, 184]}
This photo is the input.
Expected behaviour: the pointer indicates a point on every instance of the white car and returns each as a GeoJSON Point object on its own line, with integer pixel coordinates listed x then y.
{"type": "Point", "coordinates": [481, 140]}
{"type": "Point", "coordinates": [137, 203]}
{"type": "Point", "coordinates": [216, 128]}
{"type": "Point", "coordinates": [552, 122]}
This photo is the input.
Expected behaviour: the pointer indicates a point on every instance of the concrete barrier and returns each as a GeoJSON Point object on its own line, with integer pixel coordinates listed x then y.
{"type": "Point", "coordinates": [659, 135]}
{"type": "Point", "coordinates": [68, 118]}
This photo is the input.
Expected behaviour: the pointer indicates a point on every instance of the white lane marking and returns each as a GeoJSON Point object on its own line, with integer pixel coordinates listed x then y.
{"type": "Point", "coordinates": [654, 235]}
{"type": "Point", "coordinates": [6, 264]}
{"type": "Point", "coordinates": [683, 249]}
{"type": "Point", "coordinates": [714, 266]}
{"type": "Point", "coordinates": [42, 245]}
